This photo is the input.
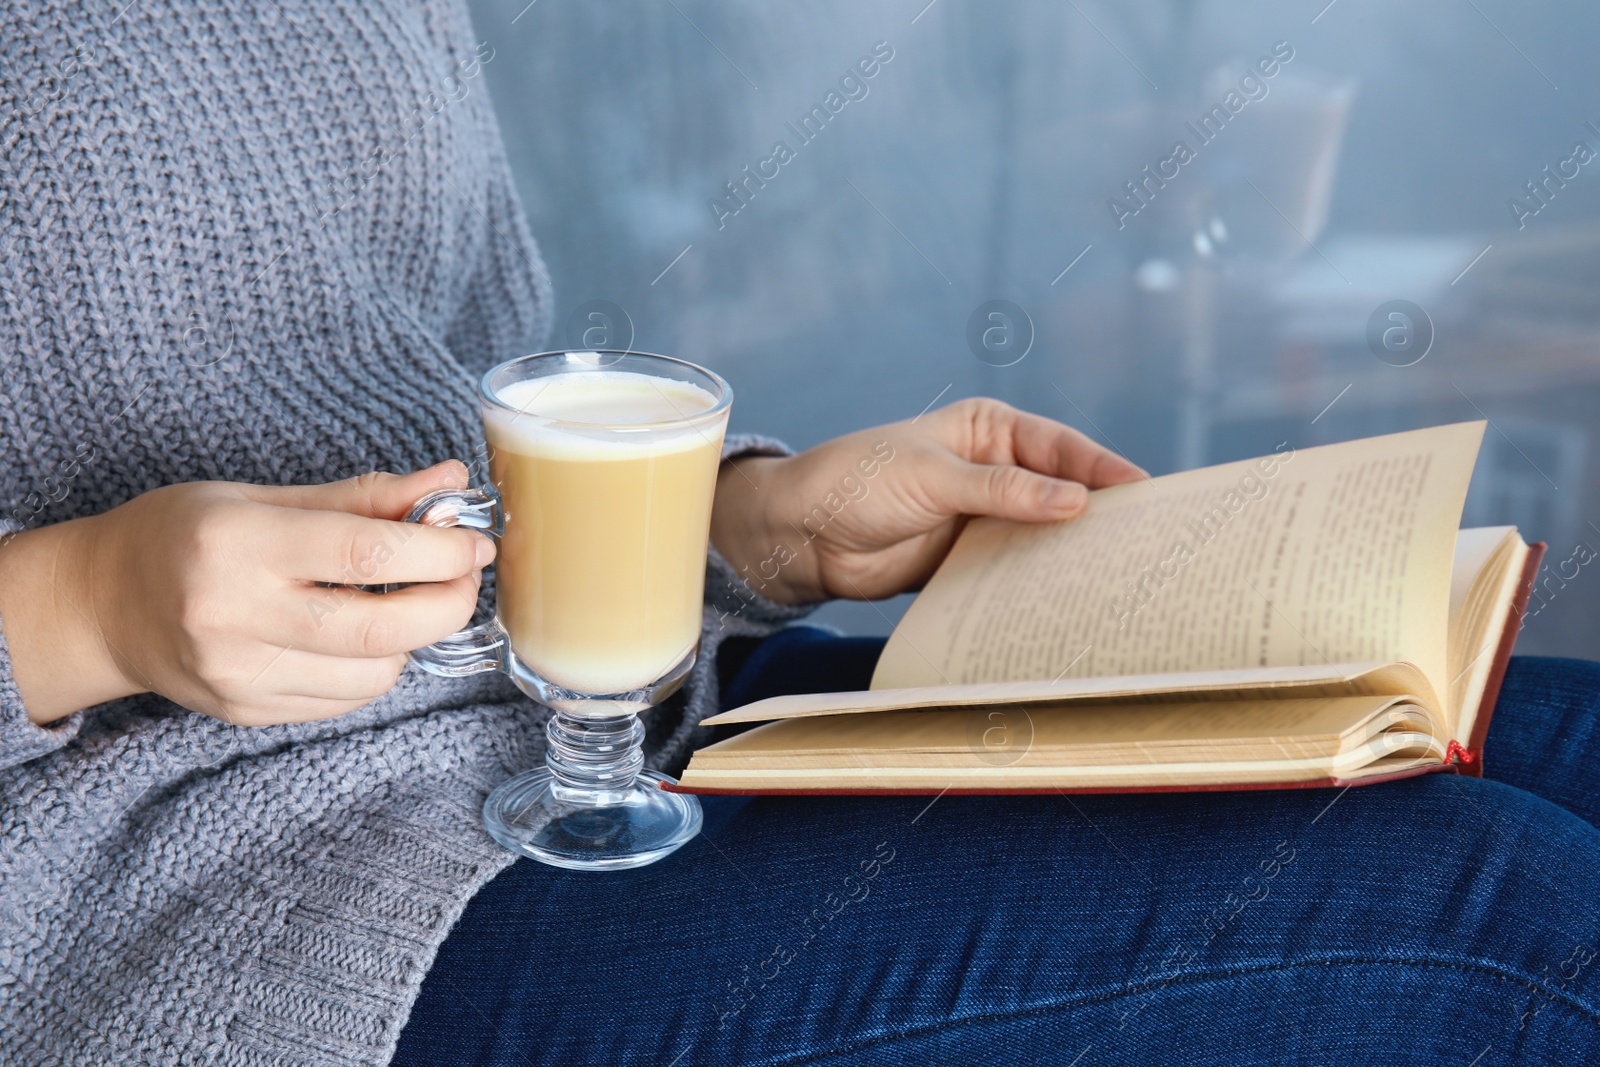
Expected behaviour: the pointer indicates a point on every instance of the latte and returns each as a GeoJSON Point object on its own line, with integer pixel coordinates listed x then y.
{"type": "Point", "coordinates": [607, 496]}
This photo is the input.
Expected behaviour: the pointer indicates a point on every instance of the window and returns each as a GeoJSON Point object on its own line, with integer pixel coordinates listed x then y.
{"type": "Point", "coordinates": [1192, 230]}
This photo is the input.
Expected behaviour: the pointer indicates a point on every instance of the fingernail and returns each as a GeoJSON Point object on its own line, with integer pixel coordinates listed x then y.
{"type": "Point", "coordinates": [485, 552]}
{"type": "Point", "coordinates": [1064, 496]}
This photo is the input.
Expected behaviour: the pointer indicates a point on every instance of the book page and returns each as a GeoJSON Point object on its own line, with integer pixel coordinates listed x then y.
{"type": "Point", "coordinates": [1481, 558]}
{"type": "Point", "coordinates": [1475, 549]}
{"type": "Point", "coordinates": [1254, 683]}
{"type": "Point", "coordinates": [1050, 747]}
{"type": "Point", "coordinates": [1321, 556]}
{"type": "Point", "coordinates": [1478, 624]}
{"type": "Point", "coordinates": [1037, 733]}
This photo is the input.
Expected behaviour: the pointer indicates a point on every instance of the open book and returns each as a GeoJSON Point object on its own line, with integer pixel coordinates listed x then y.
{"type": "Point", "coordinates": [1310, 618]}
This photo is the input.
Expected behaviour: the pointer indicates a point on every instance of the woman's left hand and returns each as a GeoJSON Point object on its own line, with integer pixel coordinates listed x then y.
{"type": "Point", "coordinates": [874, 513]}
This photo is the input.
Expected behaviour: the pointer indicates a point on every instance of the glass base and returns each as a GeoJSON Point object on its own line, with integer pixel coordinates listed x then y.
{"type": "Point", "coordinates": [626, 828]}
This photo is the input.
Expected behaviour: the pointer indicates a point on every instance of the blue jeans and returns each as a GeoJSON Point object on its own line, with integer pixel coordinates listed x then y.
{"type": "Point", "coordinates": [1433, 920]}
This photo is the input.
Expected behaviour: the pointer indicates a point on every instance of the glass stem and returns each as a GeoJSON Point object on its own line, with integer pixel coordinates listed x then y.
{"type": "Point", "coordinates": [593, 761]}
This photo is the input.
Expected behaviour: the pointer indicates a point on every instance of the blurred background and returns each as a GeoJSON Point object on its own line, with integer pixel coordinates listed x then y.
{"type": "Point", "coordinates": [1193, 230]}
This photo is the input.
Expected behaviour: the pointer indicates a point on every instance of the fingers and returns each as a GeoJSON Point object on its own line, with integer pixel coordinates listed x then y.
{"type": "Point", "coordinates": [300, 686]}
{"type": "Point", "coordinates": [376, 495]}
{"type": "Point", "coordinates": [339, 649]}
{"type": "Point", "coordinates": [282, 709]}
{"type": "Point", "coordinates": [360, 625]}
{"type": "Point", "coordinates": [348, 532]}
{"type": "Point", "coordinates": [1049, 447]}
{"type": "Point", "coordinates": [1008, 492]}
{"type": "Point", "coordinates": [329, 546]}
{"type": "Point", "coordinates": [304, 674]}
{"type": "Point", "coordinates": [996, 433]}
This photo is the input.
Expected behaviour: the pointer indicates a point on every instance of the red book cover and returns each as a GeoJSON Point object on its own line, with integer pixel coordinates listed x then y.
{"type": "Point", "coordinates": [1466, 758]}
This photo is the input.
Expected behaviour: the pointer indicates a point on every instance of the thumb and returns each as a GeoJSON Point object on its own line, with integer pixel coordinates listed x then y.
{"type": "Point", "coordinates": [376, 495]}
{"type": "Point", "coordinates": [1014, 493]}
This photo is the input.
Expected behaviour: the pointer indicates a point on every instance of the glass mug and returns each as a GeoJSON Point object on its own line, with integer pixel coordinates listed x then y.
{"type": "Point", "coordinates": [603, 466]}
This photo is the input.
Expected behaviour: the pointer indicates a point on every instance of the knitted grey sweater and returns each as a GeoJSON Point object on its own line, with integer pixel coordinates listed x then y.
{"type": "Point", "coordinates": [267, 241]}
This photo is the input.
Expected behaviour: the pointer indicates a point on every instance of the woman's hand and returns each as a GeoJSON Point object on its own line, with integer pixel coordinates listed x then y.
{"type": "Point", "coordinates": [208, 593]}
{"type": "Point", "coordinates": [873, 513]}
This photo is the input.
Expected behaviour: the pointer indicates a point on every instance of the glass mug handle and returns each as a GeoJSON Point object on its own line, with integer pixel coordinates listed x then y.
{"type": "Point", "coordinates": [480, 648]}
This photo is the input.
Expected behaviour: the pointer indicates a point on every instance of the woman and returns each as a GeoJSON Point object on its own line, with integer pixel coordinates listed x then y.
{"type": "Point", "coordinates": [254, 254]}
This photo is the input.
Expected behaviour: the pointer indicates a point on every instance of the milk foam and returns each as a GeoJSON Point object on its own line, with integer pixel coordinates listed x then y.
{"type": "Point", "coordinates": [554, 414]}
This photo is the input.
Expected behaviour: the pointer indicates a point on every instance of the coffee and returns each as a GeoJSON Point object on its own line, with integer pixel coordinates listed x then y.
{"type": "Point", "coordinates": [601, 570]}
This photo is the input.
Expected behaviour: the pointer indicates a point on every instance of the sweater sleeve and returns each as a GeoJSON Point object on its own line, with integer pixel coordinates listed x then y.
{"type": "Point", "coordinates": [20, 738]}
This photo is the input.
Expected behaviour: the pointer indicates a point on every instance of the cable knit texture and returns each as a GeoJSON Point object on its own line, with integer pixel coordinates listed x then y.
{"type": "Point", "coordinates": [271, 242]}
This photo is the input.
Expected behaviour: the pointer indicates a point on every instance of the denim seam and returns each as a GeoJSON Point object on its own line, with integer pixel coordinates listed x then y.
{"type": "Point", "coordinates": [1509, 977]}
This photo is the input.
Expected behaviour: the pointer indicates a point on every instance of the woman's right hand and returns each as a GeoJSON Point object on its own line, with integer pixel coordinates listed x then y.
{"type": "Point", "coordinates": [208, 593]}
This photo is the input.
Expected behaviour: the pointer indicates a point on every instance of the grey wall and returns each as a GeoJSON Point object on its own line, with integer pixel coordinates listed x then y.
{"type": "Point", "coordinates": [1222, 317]}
